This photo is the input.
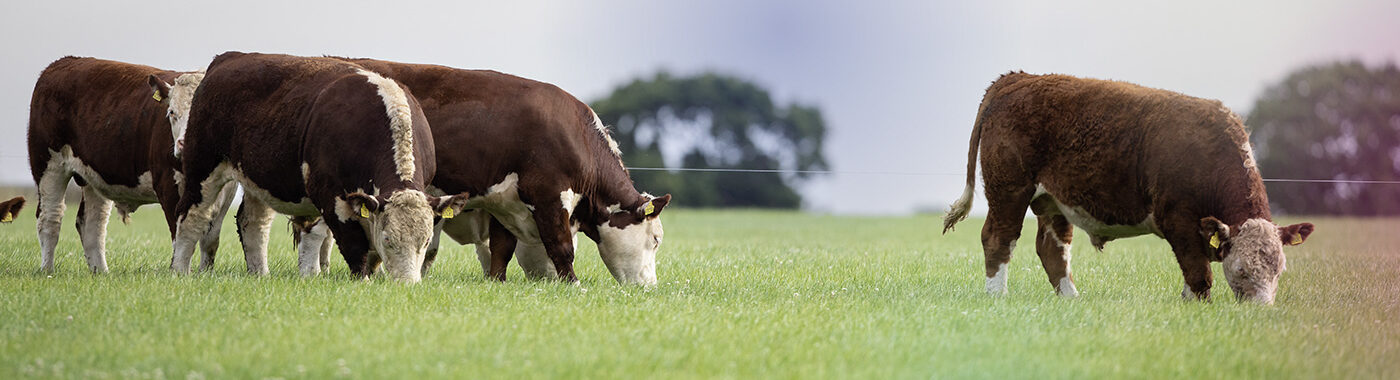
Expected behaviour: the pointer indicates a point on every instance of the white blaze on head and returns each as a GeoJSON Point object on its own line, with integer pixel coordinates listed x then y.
{"type": "Point", "coordinates": [399, 230]}
{"type": "Point", "coordinates": [400, 122]}
{"type": "Point", "coordinates": [178, 109]}
{"type": "Point", "coordinates": [1255, 261]}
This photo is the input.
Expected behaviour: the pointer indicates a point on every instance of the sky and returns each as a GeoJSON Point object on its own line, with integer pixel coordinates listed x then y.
{"type": "Point", "coordinates": [898, 82]}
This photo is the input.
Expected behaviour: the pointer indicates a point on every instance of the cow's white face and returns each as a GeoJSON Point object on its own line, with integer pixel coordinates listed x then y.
{"type": "Point", "coordinates": [178, 108]}
{"type": "Point", "coordinates": [629, 251]}
{"type": "Point", "coordinates": [1254, 258]}
{"type": "Point", "coordinates": [399, 227]}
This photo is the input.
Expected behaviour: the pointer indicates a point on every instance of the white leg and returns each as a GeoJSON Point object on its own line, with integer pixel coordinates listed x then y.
{"type": "Point", "coordinates": [93, 229]}
{"type": "Point", "coordinates": [51, 187]}
{"type": "Point", "coordinates": [195, 222]}
{"type": "Point", "coordinates": [309, 249]}
{"type": "Point", "coordinates": [326, 252]}
{"type": "Point", "coordinates": [255, 225]}
{"type": "Point", "coordinates": [209, 244]}
{"type": "Point", "coordinates": [483, 254]}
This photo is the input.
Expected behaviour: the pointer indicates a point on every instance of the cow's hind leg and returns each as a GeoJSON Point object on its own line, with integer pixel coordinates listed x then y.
{"type": "Point", "coordinates": [502, 244]}
{"type": "Point", "coordinates": [209, 244]}
{"type": "Point", "coordinates": [1007, 210]}
{"type": "Point", "coordinates": [1052, 244]}
{"type": "Point", "coordinates": [52, 184]}
{"type": "Point", "coordinates": [93, 214]}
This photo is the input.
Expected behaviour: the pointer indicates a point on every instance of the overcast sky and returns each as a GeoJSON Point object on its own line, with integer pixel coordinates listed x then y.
{"type": "Point", "coordinates": [898, 82]}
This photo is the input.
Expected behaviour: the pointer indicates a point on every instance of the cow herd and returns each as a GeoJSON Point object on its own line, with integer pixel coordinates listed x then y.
{"type": "Point", "coordinates": [382, 158]}
{"type": "Point", "coordinates": [375, 157]}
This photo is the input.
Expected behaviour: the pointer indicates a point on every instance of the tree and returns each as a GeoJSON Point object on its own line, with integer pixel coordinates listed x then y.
{"type": "Point", "coordinates": [714, 121]}
{"type": "Point", "coordinates": [1337, 121]}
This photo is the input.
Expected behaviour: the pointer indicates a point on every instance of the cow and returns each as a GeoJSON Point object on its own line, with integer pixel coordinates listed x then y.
{"type": "Point", "coordinates": [9, 210]}
{"type": "Point", "coordinates": [107, 125]}
{"type": "Point", "coordinates": [541, 163]}
{"type": "Point", "coordinates": [312, 137]}
{"type": "Point", "coordinates": [1119, 160]}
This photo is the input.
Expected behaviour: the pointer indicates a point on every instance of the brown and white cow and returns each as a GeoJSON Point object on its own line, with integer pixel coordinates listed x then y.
{"type": "Point", "coordinates": [1120, 160]}
{"type": "Point", "coordinates": [312, 137]}
{"type": "Point", "coordinates": [541, 163]}
{"type": "Point", "coordinates": [9, 210]}
{"type": "Point", "coordinates": [97, 122]}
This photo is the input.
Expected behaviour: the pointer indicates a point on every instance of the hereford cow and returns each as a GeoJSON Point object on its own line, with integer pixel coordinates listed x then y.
{"type": "Point", "coordinates": [1120, 160]}
{"type": "Point", "coordinates": [541, 163]}
{"type": "Point", "coordinates": [98, 122]}
{"type": "Point", "coordinates": [312, 137]}
{"type": "Point", "coordinates": [9, 210]}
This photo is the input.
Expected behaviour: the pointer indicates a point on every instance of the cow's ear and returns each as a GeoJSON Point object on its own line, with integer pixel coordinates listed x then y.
{"type": "Point", "coordinates": [11, 209]}
{"type": "Point", "coordinates": [357, 206]}
{"type": "Point", "coordinates": [449, 206]}
{"type": "Point", "coordinates": [653, 207]}
{"type": "Point", "coordinates": [1214, 231]}
{"type": "Point", "coordinates": [1295, 234]}
{"type": "Point", "coordinates": [160, 89]}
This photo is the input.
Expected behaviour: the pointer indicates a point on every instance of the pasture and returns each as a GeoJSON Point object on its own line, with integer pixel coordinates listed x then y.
{"type": "Point", "coordinates": [742, 294]}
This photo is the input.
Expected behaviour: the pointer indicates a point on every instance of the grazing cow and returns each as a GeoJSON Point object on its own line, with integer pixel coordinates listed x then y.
{"type": "Point", "coordinates": [9, 210]}
{"type": "Point", "coordinates": [312, 137]}
{"type": "Point", "coordinates": [97, 122]}
{"type": "Point", "coordinates": [541, 163]}
{"type": "Point", "coordinates": [1120, 160]}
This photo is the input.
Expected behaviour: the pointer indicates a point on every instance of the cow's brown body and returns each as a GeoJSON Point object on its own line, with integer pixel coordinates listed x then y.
{"type": "Point", "coordinates": [311, 137]}
{"type": "Point", "coordinates": [490, 126]}
{"type": "Point", "coordinates": [1115, 159]}
{"type": "Point", "coordinates": [95, 121]}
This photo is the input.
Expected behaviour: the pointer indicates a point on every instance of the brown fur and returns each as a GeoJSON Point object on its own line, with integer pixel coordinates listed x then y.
{"type": "Point", "coordinates": [1119, 151]}
{"type": "Point", "coordinates": [488, 125]}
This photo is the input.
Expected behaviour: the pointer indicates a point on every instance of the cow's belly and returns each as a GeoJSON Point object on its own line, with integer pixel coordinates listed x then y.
{"type": "Point", "coordinates": [129, 197]}
{"type": "Point", "coordinates": [502, 200]}
{"type": "Point", "coordinates": [1091, 225]}
{"type": "Point", "coordinates": [302, 207]}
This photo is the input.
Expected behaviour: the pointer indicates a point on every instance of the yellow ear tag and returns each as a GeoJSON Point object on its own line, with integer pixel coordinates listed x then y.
{"type": "Point", "coordinates": [1297, 239]}
{"type": "Point", "coordinates": [8, 218]}
{"type": "Point", "coordinates": [646, 210]}
{"type": "Point", "coordinates": [1215, 241]}
{"type": "Point", "coordinates": [364, 212]}
{"type": "Point", "coordinates": [156, 96]}
{"type": "Point", "coordinates": [447, 213]}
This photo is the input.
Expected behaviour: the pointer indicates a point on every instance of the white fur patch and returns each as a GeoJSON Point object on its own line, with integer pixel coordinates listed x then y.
{"type": "Point", "coordinates": [614, 208]}
{"type": "Point", "coordinates": [303, 206]}
{"type": "Point", "coordinates": [996, 285]}
{"type": "Point", "coordinates": [603, 130]}
{"type": "Point", "coordinates": [630, 252]}
{"type": "Point", "coordinates": [570, 200]}
{"type": "Point", "coordinates": [502, 201]}
{"type": "Point", "coordinates": [400, 122]}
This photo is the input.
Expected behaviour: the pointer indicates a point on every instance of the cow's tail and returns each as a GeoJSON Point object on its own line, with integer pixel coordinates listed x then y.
{"type": "Point", "coordinates": [958, 211]}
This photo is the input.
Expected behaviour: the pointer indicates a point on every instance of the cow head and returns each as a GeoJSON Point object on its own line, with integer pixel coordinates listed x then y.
{"type": "Point", "coordinates": [629, 237]}
{"type": "Point", "coordinates": [1251, 254]}
{"type": "Point", "coordinates": [177, 99]}
{"type": "Point", "coordinates": [400, 226]}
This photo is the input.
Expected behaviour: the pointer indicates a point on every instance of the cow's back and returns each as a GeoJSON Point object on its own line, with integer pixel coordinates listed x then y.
{"type": "Point", "coordinates": [1114, 148]}
{"type": "Point", "coordinates": [101, 110]}
{"type": "Point", "coordinates": [510, 124]}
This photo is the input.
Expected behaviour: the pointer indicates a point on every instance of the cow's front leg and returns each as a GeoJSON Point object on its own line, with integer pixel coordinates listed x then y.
{"type": "Point", "coordinates": [350, 238]}
{"type": "Point", "coordinates": [502, 244]}
{"type": "Point", "coordinates": [254, 224]}
{"type": "Point", "coordinates": [311, 240]}
{"type": "Point", "coordinates": [93, 214]}
{"type": "Point", "coordinates": [553, 223]}
{"type": "Point", "coordinates": [195, 212]}
{"type": "Point", "coordinates": [431, 255]}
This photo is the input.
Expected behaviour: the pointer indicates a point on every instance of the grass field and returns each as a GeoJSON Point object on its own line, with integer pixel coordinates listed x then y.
{"type": "Point", "coordinates": [743, 294]}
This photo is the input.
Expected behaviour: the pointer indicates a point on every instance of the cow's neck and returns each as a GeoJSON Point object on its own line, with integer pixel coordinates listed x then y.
{"type": "Point", "coordinates": [1250, 202]}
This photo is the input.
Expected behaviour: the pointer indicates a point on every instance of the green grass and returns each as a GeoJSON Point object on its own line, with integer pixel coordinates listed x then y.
{"type": "Point", "coordinates": [743, 294]}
